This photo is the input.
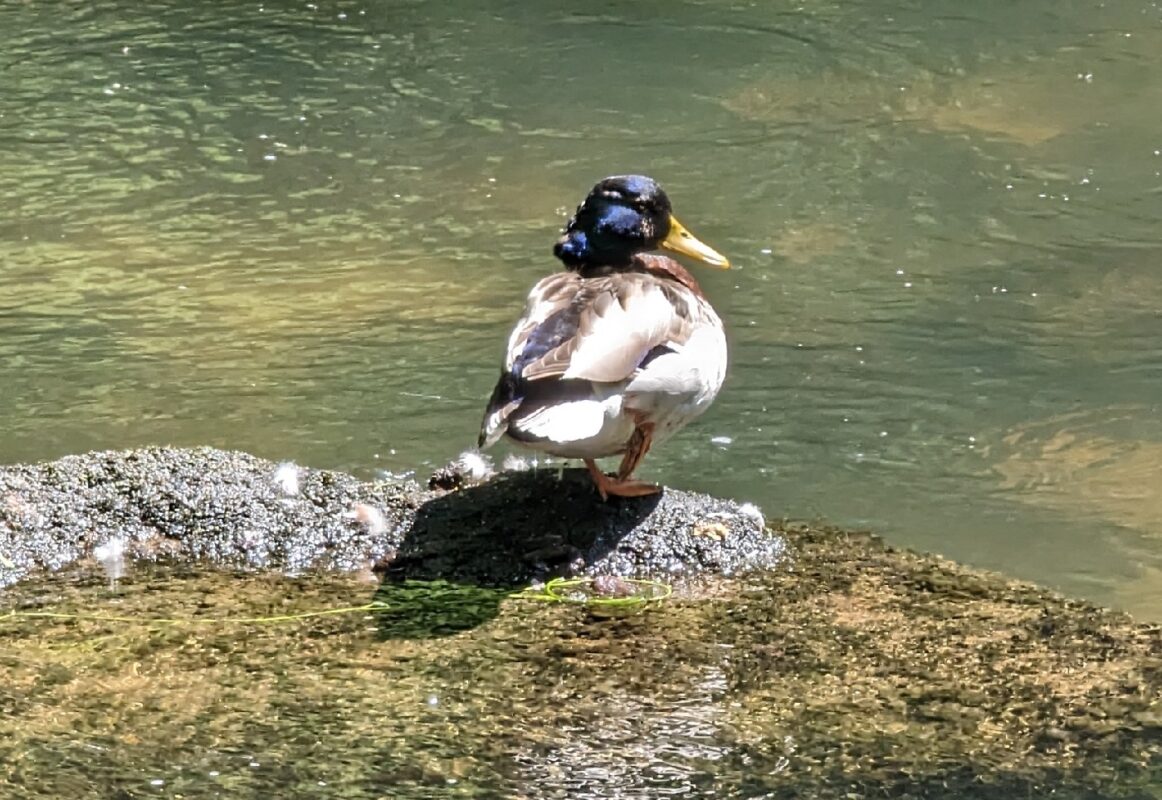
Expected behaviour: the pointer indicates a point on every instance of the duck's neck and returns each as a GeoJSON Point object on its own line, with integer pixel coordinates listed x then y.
{"type": "Point", "coordinates": [658, 265]}
{"type": "Point", "coordinates": [600, 270]}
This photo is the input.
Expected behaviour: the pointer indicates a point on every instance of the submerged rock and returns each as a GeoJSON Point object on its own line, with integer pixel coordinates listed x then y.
{"type": "Point", "coordinates": [234, 510]}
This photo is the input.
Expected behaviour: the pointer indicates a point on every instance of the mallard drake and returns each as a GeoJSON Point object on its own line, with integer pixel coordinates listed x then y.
{"type": "Point", "coordinates": [621, 349]}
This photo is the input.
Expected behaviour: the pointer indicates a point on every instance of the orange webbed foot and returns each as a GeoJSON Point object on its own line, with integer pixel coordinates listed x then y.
{"type": "Point", "coordinates": [626, 487]}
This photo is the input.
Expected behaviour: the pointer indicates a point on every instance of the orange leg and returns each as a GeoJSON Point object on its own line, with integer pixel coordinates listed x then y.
{"type": "Point", "coordinates": [636, 449]}
{"type": "Point", "coordinates": [623, 485]}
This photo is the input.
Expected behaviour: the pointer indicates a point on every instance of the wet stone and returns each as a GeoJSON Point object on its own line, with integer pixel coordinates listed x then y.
{"type": "Point", "coordinates": [215, 508]}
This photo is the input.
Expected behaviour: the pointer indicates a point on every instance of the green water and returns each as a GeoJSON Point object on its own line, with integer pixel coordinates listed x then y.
{"type": "Point", "coordinates": [304, 229]}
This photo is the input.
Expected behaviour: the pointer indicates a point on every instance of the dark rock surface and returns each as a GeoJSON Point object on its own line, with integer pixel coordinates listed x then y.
{"type": "Point", "coordinates": [201, 505]}
{"type": "Point", "coordinates": [234, 510]}
{"type": "Point", "coordinates": [526, 524]}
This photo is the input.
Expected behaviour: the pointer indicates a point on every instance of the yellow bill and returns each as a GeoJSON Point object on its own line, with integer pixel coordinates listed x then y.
{"type": "Point", "coordinates": [682, 241]}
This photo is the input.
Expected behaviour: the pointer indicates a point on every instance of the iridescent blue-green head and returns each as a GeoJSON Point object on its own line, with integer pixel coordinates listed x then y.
{"type": "Point", "coordinates": [623, 216]}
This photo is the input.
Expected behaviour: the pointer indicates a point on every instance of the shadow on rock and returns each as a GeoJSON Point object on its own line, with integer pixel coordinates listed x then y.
{"type": "Point", "coordinates": [469, 549]}
{"type": "Point", "coordinates": [466, 550]}
{"type": "Point", "coordinates": [520, 527]}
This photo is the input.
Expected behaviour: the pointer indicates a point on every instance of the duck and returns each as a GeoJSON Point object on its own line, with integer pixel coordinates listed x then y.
{"type": "Point", "coordinates": [619, 350]}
